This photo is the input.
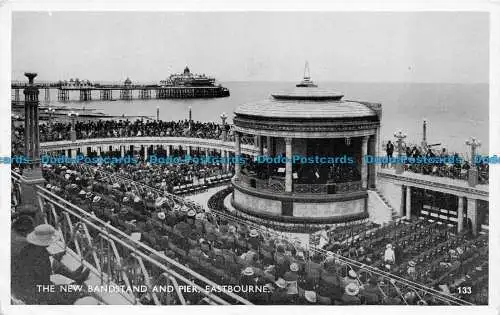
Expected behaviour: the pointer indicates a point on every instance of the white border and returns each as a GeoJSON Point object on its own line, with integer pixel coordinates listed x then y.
{"type": "Point", "coordinates": [6, 9]}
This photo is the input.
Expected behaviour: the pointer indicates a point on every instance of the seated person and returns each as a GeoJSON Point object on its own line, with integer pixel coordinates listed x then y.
{"type": "Point", "coordinates": [32, 267]}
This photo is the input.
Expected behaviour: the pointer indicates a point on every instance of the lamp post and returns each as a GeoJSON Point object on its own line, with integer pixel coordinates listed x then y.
{"type": "Point", "coordinates": [73, 116]}
{"type": "Point", "coordinates": [157, 113]}
{"type": "Point", "coordinates": [50, 111]}
{"type": "Point", "coordinates": [473, 173]}
{"type": "Point", "coordinates": [399, 136]}
{"type": "Point", "coordinates": [223, 117]}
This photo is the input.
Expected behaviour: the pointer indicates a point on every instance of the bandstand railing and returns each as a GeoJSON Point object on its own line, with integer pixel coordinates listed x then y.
{"type": "Point", "coordinates": [389, 282]}
{"type": "Point", "coordinates": [115, 258]}
{"type": "Point", "coordinates": [277, 184]}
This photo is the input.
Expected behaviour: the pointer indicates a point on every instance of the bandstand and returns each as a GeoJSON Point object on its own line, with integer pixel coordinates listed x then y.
{"type": "Point", "coordinates": [308, 122]}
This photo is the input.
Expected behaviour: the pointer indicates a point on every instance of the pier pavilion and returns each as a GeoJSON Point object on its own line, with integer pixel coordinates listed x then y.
{"type": "Point", "coordinates": [309, 122]}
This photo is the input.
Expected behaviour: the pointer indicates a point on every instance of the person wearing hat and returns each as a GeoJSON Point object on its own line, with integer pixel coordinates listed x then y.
{"type": "Point", "coordinates": [350, 296]}
{"type": "Point", "coordinates": [254, 239]}
{"type": "Point", "coordinates": [280, 293]}
{"type": "Point", "coordinates": [389, 256]}
{"type": "Point", "coordinates": [293, 274]}
{"type": "Point", "coordinates": [371, 292]}
{"type": "Point", "coordinates": [352, 277]}
{"type": "Point", "coordinates": [33, 267]}
{"type": "Point", "coordinates": [247, 277]}
{"type": "Point", "coordinates": [411, 269]}
{"type": "Point", "coordinates": [308, 297]}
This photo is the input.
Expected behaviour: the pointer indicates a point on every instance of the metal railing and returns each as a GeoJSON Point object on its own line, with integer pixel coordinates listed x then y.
{"type": "Point", "coordinates": [117, 259]}
{"type": "Point", "coordinates": [277, 184]}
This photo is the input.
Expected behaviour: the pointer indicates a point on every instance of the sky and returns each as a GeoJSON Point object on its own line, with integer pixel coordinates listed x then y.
{"type": "Point", "coordinates": [434, 47]}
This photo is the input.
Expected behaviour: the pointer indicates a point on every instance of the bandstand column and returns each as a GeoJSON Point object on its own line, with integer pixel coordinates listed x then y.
{"type": "Point", "coordinates": [472, 214]}
{"type": "Point", "coordinates": [403, 196]}
{"type": "Point", "coordinates": [237, 153]}
{"type": "Point", "coordinates": [364, 166]}
{"type": "Point", "coordinates": [288, 167]}
{"type": "Point", "coordinates": [408, 202]}
{"type": "Point", "coordinates": [168, 150]}
{"type": "Point", "coordinates": [268, 140]}
{"type": "Point", "coordinates": [98, 149]}
{"type": "Point", "coordinates": [226, 161]}
{"type": "Point", "coordinates": [261, 146]}
{"type": "Point", "coordinates": [460, 214]}
{"type": "Point", "coordinates": [189, 150]}
{"type": "Point", "coordinates": [146, 147]}
{"type": "Point", "coordinates": [122, 150]}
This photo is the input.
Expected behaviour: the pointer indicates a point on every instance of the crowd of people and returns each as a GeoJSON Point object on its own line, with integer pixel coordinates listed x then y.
{"type": "Point", "coordinates": [167, 177]}
{"type": "Point", "coordinates": [58, 131]}
{"type": "Point", "coordinates": [458, 169]}
{"type": "Point", "coordinates": [226, 251]}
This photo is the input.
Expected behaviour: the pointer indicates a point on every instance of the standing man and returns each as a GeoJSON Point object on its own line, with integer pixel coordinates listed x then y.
{"type": "Point", "coordinates": [389, 150]}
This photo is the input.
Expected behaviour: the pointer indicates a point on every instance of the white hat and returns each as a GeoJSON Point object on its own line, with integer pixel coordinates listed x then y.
{"type": "Point", "coordinates": [281, 283]}
{"type": "Point", "coordinates": [411, 263]}
{"type": "Point", "coordinates": [42, 235]}
{"type": "Point", "coordinates": [88, 300]}
{"type": "Point", "coordinates": [248, 271]}
{"type": "Point", "coordinates": [82, 192]}
{"type": "Point", "coordinates": [161, 215]}
{"type": "Point", "coordinates": [116, 185]}
{"type": "Point", "coordinates": [310, 296]}
{"type": "Point", "coordinates": [388, 246]}
{"type": "Point", "coordinates": [352, 274]}
{"type": "Point", "coordinates": [294, 267]}
{"type": "Point", "coordinates": [96, 199]}
{"type": "Point", "coordinates": [67, 176]}
{"type": "Point", "coordinates": [184, 208]}
{"type": "Point", "coordinates": [352, 289]}
{"type": "Point", "coordinates": [137, 199]}
{"type": "Point", "coordinates": [48, 186]}
{"type": "Point", "coordinates": [191, 213]}
{"type": "Point", "coordinates": [136, 236]}
{"type": "Point", "coordinates": [254, 233]}
{"type": "Point", "coordinates": [125, 199]}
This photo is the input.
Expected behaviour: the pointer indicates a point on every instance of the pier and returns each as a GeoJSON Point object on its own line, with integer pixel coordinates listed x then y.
{"type": "Point", "coordinates": [127, 91]}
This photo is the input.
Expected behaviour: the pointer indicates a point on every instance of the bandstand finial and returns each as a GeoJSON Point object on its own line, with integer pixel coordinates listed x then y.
{"type": "Point", "coordinates": [307, 73]}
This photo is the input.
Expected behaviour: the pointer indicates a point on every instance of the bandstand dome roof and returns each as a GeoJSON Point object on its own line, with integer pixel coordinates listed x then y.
{"type": "Point", "coordinates": [309, 102]}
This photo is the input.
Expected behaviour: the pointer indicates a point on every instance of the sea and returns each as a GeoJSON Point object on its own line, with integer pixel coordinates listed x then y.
{"type": "Point", "coordinates": [454, 112]}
